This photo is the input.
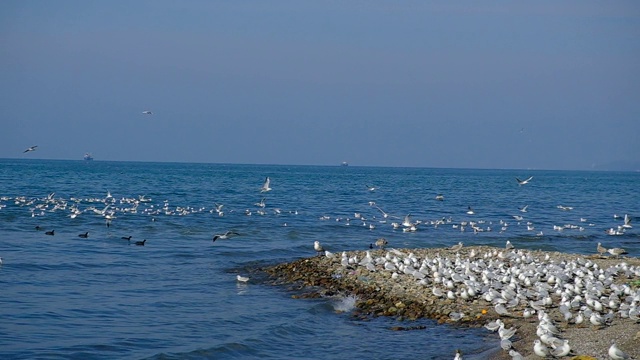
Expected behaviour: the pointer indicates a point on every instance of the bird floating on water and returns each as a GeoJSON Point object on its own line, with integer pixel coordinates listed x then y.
{"type": "Point", "coordinates": [381, 242]}
{"type": "Point", "coordinates": [84, 236]}
{"type": "Point", "coordinates": [52, 232]}
{"type": "Point", "coordinates": [141, 243]}
{"type": "Point", "coordinates": [241, 278]}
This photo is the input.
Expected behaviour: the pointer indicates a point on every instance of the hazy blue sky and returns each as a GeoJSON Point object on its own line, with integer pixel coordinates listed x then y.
{"type": "Point", "coordinates": [480, 84]}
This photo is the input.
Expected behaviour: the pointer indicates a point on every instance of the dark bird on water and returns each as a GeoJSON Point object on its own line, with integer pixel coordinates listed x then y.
{"type": "Point", "coordinates": [128, 238]}
{"type": "Point", "coordinates": [50, 232]}
{"type": "Point", "coordinates": [141, 243]}
{"type": "Point", "coordinates": [84, 236]}
{"type": "Point", "coordinates": [38, 227]}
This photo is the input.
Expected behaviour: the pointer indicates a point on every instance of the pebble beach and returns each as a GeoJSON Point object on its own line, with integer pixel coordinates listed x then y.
{"type": "Point", "coordinates": [575, 305]}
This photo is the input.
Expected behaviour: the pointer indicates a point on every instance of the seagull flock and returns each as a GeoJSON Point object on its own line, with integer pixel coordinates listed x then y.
{"type": "Point", "coordinates": [516, 283]}
{"type": "Point", "coordinates": [509, 279]}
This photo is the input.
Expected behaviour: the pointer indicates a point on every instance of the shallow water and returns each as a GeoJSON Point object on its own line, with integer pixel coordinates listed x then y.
{"type": "Point", "coordinates": [177, 297]}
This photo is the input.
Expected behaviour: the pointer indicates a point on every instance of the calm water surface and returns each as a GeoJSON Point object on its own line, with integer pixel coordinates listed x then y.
{"type": "Point", "coordinates": [65, 297]}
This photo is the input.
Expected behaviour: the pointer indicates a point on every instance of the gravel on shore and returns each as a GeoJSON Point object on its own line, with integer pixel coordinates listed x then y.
{"type": "Point", "coordinates": [381, 293]}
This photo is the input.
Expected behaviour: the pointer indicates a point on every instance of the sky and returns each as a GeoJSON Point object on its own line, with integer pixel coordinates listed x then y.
{"type": "Point", "coordinates": [464, 84]}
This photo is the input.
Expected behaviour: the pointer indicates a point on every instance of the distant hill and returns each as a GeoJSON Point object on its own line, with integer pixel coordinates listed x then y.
{"type": "Point", "coordinates": [618, 166]}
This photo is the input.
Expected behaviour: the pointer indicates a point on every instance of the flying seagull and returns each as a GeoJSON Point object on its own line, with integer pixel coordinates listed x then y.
{"type": "Point", "coordinates": [266, 186]}
{"type": "Point", "coordinates": [147, 112]}
{"type": "Point", "coordinates": [33, 148]}
{"type": "Point", "coordinates": [525, 181]}
{"type": "Point", "coordinates": [226, 235]}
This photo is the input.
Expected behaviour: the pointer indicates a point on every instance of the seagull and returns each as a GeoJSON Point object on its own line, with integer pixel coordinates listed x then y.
{"type": "Point", "coordinates": [458, 355]}
{"type": "Point", "coordinates": [407, 221]}
{"type": "Point", "coordinates": [560, 351]}
{"type": "Point", "coordinates": [84, 236]}
{"type": "Point", "coordinates": [33, 148]}
{"type": "Point", "coordinates": [616, 251]}
{"type": "Point", "coordinates": [627, 222]}
{"type": "Point", "coordinates": [525, 181]}
{"type": "Point", "coordinates": [539, 349]}
{"type": "Point", "coordinates": [509, 245]}
{"type": "Point", "coordinates": [601, 250]}
{"type": "Point", "coordinates": [224, 236]}
{"type": "Point", "coordinates": [147, 112]}
{"type": "Point", "coordinates": [242, 278]}
{"type": "Point", "coordinates": [261, 204]}
{"type": "Point", "coordinates": [440, 197]}
{"type": "Point", "coordinates": [524, 209]}
{"type": "Point", "coordinates": [617, 354]}
{"type": "Point", "coordinates": [371, 188]}
{"type": "Point", "coordinates": [470, 211]}
{"type": "Point", "coordinates": [381, 243]}
{"type": "Point", "coordinates": [265, 186]}
{"type": "Point", "coordinates": [456, 247]}
{"type": "Point", "coordinates": [318, 247]}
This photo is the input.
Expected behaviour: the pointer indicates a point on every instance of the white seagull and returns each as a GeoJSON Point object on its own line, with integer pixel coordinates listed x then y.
{"type": "Point", "coordinates": [147, 112]}
{"type": "Point", "coordinates": [317, 247]}
{"type": "Point", "coordinates": [241, 278]}
{"type": "Point", "coordinates": [226, 235]}
{"type": "Point", "coordinates": [266, 186]}
{"type": "Point", "coordinates": [33, 148]}
{"type": "Point", "coordinates": [525, 181]}
{"type": "Point", "coordinates": [616, 354]}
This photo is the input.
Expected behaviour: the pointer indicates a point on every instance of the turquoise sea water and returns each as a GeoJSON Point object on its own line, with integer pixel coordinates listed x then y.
{"type": "Point", "coordinates": [66, 297]}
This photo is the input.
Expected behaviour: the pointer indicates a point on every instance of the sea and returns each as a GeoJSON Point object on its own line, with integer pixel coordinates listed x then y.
{"type": "Point", "coordinates": [177, 297]}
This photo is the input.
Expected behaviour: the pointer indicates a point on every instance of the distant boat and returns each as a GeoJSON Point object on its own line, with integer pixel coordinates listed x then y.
{"type": "Point", "coordinates": [344, 163]}
{"type": "Point", "coordinates": [88, 157]}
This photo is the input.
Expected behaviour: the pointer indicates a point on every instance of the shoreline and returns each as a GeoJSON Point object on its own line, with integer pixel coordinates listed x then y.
{"type": "Point", "coordinates": [408, 295]}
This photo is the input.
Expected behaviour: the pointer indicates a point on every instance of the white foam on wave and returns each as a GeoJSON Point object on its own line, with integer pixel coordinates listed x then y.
{"type": "Point", "coordinates": [345, 304]}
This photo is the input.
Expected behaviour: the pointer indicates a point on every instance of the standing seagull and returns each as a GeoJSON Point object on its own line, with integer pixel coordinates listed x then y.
{"type": "Point", "coordinates": [601, 250]}
{"type": "Point", "coordinates": [147, 112]}
{"type": "Point", "coordinates": [317, 247]}
{"type": "Point", "coordinates": [266, 186]}
{"type": "Point", "coordinates": [522, 182]}
{"type": "Point", "coordinates": [33, 148]}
